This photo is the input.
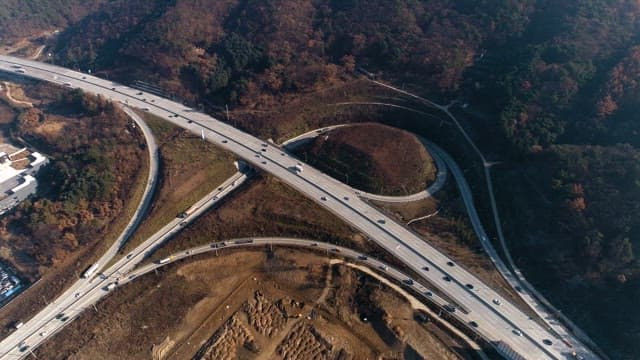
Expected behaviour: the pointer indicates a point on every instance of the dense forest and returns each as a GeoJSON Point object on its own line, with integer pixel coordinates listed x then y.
{"type": "Point", "coordinates": [553, 88]}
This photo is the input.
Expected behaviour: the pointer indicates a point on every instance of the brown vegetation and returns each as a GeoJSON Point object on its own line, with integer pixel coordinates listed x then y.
{"type": "Point", "coordinates": [204, 307]}
{"type": "Point", "coordinates": [373, 158]}
{"type": "Point", "coordinates": [189, 169]}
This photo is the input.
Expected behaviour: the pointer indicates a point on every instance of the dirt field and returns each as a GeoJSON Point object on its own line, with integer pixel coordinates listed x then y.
{"type": "Point", "coordinates": [256, 304]}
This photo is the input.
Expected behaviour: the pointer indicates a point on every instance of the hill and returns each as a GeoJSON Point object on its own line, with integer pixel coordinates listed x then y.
{"type": "Point", "coordinates": [374, 158]}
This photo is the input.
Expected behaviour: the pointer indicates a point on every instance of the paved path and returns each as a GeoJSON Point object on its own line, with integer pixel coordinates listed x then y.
{"type": "Point", "coordinates": [441, 176]}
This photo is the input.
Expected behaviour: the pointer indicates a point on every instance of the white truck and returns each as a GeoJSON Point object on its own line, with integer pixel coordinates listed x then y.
{"type": "Point", "coordinates": [90, 271]}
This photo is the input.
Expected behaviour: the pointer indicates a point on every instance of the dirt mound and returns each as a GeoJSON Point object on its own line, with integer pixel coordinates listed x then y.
{"type": "Point", "coordinates": [372, 157]}
{"type": "Point", "coordinates": [264, 315]}
{"type": "Point", "coordinates": [306, 342]}
{"type": "Point", "coordinates": [225, 342]}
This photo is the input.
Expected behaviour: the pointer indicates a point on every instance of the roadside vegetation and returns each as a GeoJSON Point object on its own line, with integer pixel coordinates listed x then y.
{"type": "Point", "coordinates": [189, 169]}
{"type": "Point", "coordinates": [85, 197]}
{"type": "Point", "coordinates": [543, 80]}
{"type": "Point", "coordinates": [372, 157]}
{"type": "Point", "coordinates": [264, 207]}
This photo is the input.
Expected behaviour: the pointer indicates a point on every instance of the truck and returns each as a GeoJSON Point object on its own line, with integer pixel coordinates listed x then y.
{"type": "Point", "coordinates": [165, 260]}
{"type": "Point", "coordinates": [187, 212]}
{"type": "Point", "coordinates": [90, 271]}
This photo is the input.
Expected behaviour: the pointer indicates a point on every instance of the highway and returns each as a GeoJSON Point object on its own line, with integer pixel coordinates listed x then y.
{"type": "Point", "coordinates": [527, 292]}
{"type": "Point", "coordinates": [441, 176]}
{"type": "Point", "coordinates": [331, 250]}
{"type": "Point", "coordinates": [499, 321]}
{"type": "Point", "coordinates": [68, 306]}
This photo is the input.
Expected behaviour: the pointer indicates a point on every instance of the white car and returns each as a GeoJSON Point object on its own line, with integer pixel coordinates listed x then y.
{"type": "Point", "coordinates": [496, 301]}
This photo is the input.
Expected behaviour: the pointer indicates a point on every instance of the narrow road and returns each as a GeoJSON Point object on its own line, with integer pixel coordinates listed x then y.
{"type": "Point", "coordinates": [441, 176]}
{"type": "Point", "coordinates": [359, 261]}
{"type": "Point", "coordinates": [512, 274]}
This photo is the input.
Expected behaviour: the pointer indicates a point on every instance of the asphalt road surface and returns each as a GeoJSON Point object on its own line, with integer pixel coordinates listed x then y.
{"type": "Point", "coordinates": [500, 322]}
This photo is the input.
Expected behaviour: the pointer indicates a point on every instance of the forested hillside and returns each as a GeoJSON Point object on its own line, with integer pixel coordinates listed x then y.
{"type": "Point", "coordinates": [27, 18]}
{"type": "Point", "coordinates": [553, 88]}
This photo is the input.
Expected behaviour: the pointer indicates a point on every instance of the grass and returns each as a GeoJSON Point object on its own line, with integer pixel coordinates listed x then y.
{"type": "Point", "coordinates": [190, 168]}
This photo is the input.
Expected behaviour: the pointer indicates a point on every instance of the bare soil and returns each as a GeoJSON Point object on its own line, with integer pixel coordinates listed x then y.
{"type": "Point", "coordinates": [254, 304]}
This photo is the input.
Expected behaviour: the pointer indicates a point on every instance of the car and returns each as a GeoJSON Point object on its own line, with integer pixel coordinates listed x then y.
{"type": "Point", "coordinates": [469, 286]}
{"type": "Point", "coordinates": [362, 257]}
{"type": "Point", "coordinates": [44, 333]}
{"type": "Point", "coordinates": [383, 267]}
{"type": "Point", "coordinates": [84, 78]}
{"type": "Point", "coordinates": [59, 316]}
{"type": "Point", "coordinates": [113, 89]}
{"type": "Point", "coordinates": [323, 198]}
{"type": "Point", "coordinates": [132, 277]}
{"type": "Point", "coordinates": [497, 301]}
{"type": "Point", "coordinates": [139, 93]}
{"type": "Point", "coordinates": [64, 319]}
{"type": "Point", "coordinates": [190, 121]}
{"type": "Point", "coordinates": [446, 278]}
{"type": "Point", "coordinates": [224, 141]}
{"type": "Point", "coordinates": [516, 332]}
{"type": "Point", "coordinates": [183, 223]}
{"type": "Point", "coordinates": [187, 252]}
{"type": "Point", "coordinates": [408, 281]}
{"type": "Point", "coordinates": [335, 250]}
{"type": "Point", "coordinates": [473, 324]}
{"type": "Point", "coordinates": [129, 256]}
{"type": "Point", "coordinates": [346, 198]}
{"type": "Point", "coordinates": [547, 342]}
{"type": "Point", "coordinates": [450, 263]}
{"type": "Point", "coordinates": [449, 308]}
{"type": "Point", "coordinates": [264, 163]}
{"type": "Point", "coordinates": [24, 348]}
{"type": "Point", "coordinates": [382, 221]}
{"type": "Point", "coordinates": [428, 293]}
{"type": "Point", "coordinates": [77, 294]}
{"type": "Point", "coordinates": [264, 150]}
{"type": "Point", "coordinates": [425, 268]}
{"type": "Point", "coordinates": [314, 244]}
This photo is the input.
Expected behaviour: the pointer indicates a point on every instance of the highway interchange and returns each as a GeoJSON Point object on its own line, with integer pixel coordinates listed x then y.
{"type": "Point", "coordinates": [500, 322]}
